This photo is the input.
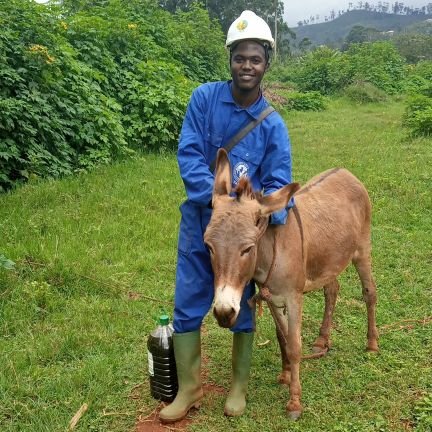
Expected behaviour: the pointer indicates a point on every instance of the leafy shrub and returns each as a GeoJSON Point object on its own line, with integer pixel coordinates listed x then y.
{"type": "Point", "coordinates": [323, 70]}
{"type": "Point", "coordinates": [418, 77]}
{"type": "Point", "coordinates": [329, 71]}
{"type": "Point", "coordinates": [364, 92]}
{"type": "Point", "coordinates": [414, 46]}
{"type": "Point", "coordinates": [418, 115]}
{"type": "Point", "coordinates": [84, 83]}
{"type": "Point", "coordinates": [308, 101]}
{"type": "Point", "coordinates": [282, 72]}
{"type": "Point", "coordinates": [378, 63]}
{"type": "Point", "coordinates": [54, 116]}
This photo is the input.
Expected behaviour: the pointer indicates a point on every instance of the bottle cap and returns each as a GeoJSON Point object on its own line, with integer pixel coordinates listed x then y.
{"type": "Point", "coordinates": [164, 320]}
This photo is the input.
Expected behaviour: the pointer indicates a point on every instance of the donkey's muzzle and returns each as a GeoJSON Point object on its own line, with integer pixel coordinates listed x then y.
{"type": "Point", "coordinates": [225, 315]}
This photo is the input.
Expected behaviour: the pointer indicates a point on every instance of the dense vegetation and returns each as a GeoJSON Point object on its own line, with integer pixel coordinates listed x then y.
{"type": "Point", "coordinates": [82, 88]}
{"type": "Point", "coordinates": [87, 82]}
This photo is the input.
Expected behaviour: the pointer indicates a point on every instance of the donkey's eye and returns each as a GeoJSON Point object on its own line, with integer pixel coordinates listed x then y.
{"type": "Point", "coordinates": [246, 251]}
{"type": "Point", "coordinates": [209, 248]}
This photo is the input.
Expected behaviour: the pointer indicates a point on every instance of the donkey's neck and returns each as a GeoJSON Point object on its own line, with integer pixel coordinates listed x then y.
{"type": "Point", "coordinates": [265, 255]}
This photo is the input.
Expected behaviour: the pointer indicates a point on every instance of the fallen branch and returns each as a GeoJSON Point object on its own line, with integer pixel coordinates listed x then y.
{"type": "Point", "coordinates": [77, 416]}
{"type": "Point", "coordinates": [412, 323]}
{"type": "Point", "coordinates": [114, 413]}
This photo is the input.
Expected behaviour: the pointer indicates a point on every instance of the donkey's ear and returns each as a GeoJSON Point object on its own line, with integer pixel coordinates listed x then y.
{"type": "Point", "coordinates": [278, 200]}
{"type": "Point", "coordinates": [222, 183]}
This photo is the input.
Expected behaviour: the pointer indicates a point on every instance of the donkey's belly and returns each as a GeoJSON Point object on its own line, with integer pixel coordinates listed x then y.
{"type": "Point", "coordinates": [326, 275]}
{"type": "Point", "coordinates": [316, 284]}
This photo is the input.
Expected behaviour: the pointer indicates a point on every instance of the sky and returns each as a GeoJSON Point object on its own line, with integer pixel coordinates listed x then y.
{"type": "Point", "coordinates": [296, 10]}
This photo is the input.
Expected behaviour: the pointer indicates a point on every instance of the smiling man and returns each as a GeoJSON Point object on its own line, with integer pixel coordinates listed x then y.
{"type": "Point", "coordinates": [215, 114]}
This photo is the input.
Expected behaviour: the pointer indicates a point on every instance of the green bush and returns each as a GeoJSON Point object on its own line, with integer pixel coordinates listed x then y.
{"type": "Point", "coordinates": [282, 72]}
{"type": "Point", "coordinates": [82, 85]}
{"type": "Point", "coordinates": [418, 115]}
{"type": "Point", "coordinates": [364, 92]}
{"type": "Point", "coordinates": [378, 63]}
{"type": "Point", "coordinates": [324, 70]}
{"type": "Point", "coordinates": [329, 71]}
{"type": "Point", "coordinates": [418, 78]}
{"type": "Point", "coordinates": [308, 101]}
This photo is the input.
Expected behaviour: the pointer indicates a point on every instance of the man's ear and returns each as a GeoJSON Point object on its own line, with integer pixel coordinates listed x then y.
{"type": "Point", "coordinates": [277, 200]}
{"type": "Point", "coordinates": [222, 183]}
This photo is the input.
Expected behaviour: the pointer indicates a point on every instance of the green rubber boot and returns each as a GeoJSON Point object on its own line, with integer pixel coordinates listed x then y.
{"type": "Point", "coordinates": [187, 351]}
{"type": "Point", "coordinates": [241, 362]}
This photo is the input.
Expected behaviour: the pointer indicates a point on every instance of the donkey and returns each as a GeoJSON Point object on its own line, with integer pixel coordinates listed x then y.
{"type": "Point", "coordinates": [328, 228]}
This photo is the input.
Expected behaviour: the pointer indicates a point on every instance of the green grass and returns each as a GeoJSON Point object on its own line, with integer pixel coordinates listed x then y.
{"type": "Point", "coordinates": [95, 260]}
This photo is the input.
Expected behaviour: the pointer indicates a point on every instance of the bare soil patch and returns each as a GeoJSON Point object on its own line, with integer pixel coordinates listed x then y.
{"type": "Point", "coordinates": [151, 422]}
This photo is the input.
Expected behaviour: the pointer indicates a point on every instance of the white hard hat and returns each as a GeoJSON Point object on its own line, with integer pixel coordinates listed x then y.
{"type": "Point", "coordinates": [249, 26]}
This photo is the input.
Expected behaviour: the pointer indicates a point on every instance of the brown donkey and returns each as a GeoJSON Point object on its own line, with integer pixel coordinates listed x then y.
{"type": "Point", "coordinates": [328, 228]}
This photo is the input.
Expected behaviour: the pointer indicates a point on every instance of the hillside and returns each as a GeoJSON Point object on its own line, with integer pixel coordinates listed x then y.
{"type": "Point", "coordinates": [334, 32]}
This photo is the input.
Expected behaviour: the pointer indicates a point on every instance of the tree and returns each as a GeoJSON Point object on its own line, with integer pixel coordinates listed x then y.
{"type": "Point", "coordinates": [360, 34]}
{"type": "Point", "coordinates": [305, 44]}
{"type": "Point", "coordinates": [226, 11]}
{"type": "Point", "coordinates": [414, 47]}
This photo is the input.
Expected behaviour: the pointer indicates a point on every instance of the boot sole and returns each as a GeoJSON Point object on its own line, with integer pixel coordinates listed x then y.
{"type": "Point", "coordinates": [229, 413]}
{"type": "Point", "coordinates": [195, 405]}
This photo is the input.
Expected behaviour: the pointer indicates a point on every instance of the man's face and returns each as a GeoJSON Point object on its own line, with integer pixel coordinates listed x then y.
{"type": "Point", "coordinates": [248, 65]}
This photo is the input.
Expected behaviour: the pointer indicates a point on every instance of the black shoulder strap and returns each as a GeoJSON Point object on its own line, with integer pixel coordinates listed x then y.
{"type": "Point", "coordinates": [243, 132]}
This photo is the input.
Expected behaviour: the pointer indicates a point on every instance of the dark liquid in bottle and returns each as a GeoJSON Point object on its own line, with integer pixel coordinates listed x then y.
{"type": "Point", "coordinates": [162, 368]}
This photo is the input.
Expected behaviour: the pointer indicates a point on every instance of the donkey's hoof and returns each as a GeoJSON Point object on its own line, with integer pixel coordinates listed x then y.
{"type": "Point", "coordinates": [294, 409]}
{"type": "Point", "coordinates": [321, 345]}
{"type": "Point", "coordinates": [284, 378]}
{"type": "Point", "coordinates": [372, 347]}
{"type": "Point", "coordinates": [294, 415]}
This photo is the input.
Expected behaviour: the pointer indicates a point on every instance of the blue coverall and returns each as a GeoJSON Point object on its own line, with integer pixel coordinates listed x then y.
{"type": "Point", "coordinates": [264, 155]}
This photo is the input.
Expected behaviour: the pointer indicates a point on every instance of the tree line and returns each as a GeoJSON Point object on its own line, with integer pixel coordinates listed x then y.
{"type": "Point", "coordinates": [397, 8]}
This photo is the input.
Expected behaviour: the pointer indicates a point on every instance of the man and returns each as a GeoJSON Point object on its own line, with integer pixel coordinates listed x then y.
{"type": "Point", "coordinates": [216, 112]}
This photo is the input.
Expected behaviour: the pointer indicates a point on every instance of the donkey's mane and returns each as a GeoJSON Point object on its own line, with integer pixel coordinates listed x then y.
{"type": "Point", "coordinates": [244, 190]}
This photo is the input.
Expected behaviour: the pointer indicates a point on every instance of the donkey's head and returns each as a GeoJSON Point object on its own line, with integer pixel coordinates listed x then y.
{"type": "Point", "coordinates": [236, 225]}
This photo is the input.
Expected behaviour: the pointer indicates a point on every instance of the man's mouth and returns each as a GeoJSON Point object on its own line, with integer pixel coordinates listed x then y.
{"type": "Point", "coordinates": [247, 77]}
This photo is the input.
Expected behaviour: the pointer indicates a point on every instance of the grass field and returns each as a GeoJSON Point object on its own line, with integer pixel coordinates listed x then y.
{"type": "Point", "coordinates": [95, 259]}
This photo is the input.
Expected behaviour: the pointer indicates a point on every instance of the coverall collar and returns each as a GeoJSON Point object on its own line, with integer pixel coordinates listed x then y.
{"type": "Point", "coordinates": [253, 110]}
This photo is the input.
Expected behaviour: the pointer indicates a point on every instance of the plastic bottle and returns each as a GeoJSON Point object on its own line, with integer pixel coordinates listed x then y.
{"type": "Point", "coordinates": [161, 361]}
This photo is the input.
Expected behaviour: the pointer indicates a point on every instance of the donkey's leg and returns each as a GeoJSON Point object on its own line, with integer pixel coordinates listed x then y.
{"type": "Point", "coordinates": [281, 324]}
{"type": "Point", "coordinates": [362, 262]}
{"type": "Point", "coordinates": [322, 342]}
{"type": "Point", "coordinates": [294, 304]}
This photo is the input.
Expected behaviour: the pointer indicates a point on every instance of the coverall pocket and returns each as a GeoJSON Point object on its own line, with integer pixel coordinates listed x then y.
{"type": "Point", "coordinates": [185, 235]}
{"type": "Point", "coordinates": [245, 162]}
{"type": "Point", "coordinates": [184, 242]}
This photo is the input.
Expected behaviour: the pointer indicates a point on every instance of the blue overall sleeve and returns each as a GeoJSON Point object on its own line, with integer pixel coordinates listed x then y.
{"type": "Point", "coordinates": [276, 168]}
{"type": "Point", "coordinates": [194, 168]}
